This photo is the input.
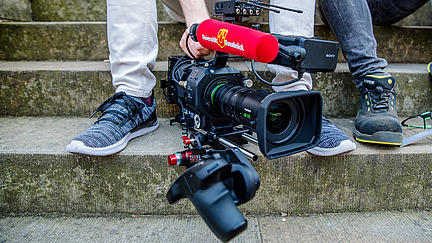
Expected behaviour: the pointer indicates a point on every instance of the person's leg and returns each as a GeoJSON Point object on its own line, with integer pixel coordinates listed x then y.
{"type": "Point", "coordinates": [387, 12]}
{"type": "Point", "coordinates": [333, 141]}
{"type": "Point", "coordinates": [377, 120]}
{"type": "Point", "coordinates": [133, 45]}
{"type": "Point", "coordinates": [356, 35]}
{"type": "Point", "coordinates": [291, 23]}
{"type": "Point", "coordinates": [131, 111]}
{"type": "Point", "coordinates": [351, 22]}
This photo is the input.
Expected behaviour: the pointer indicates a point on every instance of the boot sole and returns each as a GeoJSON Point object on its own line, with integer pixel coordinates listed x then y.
{"type": "Point", "coordinates": [387, 138]}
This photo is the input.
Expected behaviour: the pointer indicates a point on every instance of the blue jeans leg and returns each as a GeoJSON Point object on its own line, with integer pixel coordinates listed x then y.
{"type": "Point", "coordinates": [387, 12]}
{"type": "Point", "coordinates": [351, 21]}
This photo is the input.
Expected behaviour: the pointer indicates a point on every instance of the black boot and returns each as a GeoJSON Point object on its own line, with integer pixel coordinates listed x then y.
{"type": "Point", "coordinates": [377, 120]}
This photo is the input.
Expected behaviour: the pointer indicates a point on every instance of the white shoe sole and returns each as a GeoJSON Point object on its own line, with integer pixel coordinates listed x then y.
{"type": "Point", "coordinates": [344, 147]}
{"type": "Point", "coordinates": [78, 147]}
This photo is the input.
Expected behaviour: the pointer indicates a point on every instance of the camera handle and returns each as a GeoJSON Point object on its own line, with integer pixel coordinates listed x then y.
{"type": "Point", "coordinates": [220, 59]}
{"type": "Point", "coordinates": [223, 180]}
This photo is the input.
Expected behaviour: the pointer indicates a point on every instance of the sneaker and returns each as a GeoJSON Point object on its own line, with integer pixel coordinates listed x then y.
{"type": "Point", "coordinates": [332, 142]}
{"type": "Point", "coordinates": [377, 120]}
{"type": "Point", "coordinates": [123, 118]}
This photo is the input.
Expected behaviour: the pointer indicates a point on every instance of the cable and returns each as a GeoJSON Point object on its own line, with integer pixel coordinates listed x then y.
{"type": "Point", "coordinates": [187, 47]}
{"type": "Point", "coordinates": [176, 66]}
{"type": "Point", "coordinates": [300, 75]}
{"type": "Point", "coordinates": [268, 6]}
{"type": "Point", "coordinates": [287, 9]}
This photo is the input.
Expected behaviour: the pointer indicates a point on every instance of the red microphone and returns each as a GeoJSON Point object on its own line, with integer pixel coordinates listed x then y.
{"type": "Point", "coordinates": [237, 40]}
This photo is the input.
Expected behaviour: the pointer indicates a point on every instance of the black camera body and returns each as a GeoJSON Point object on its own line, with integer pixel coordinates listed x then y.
{"type": "Point", "coordinates": [214, 99]}
{"type": "Point", "coordinates": [194, 93]}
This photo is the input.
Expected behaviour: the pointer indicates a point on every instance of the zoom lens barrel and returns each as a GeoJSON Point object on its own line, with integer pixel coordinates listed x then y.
{"type": "Point", "coordinates": [238, 103]}
{"type": "Point", "coordinates": [285, 122]}
{"type": "Point", "coordinates": [243, 105]}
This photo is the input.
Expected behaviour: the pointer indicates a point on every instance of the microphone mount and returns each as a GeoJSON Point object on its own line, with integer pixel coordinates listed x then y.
{"type": "Point", "coordinates": [236, 10]}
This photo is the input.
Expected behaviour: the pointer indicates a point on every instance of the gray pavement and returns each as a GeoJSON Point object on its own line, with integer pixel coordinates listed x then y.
{"type": "Point", "coordinates": [409, 226]}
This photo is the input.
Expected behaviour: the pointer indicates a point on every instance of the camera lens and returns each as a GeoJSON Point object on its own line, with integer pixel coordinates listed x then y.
{"type": "Point", "coordinates": [284, 118]}
{"type": "Point", "coordinates": [278, 118]}
{"type": "Point", "coordinates": [237, 102]}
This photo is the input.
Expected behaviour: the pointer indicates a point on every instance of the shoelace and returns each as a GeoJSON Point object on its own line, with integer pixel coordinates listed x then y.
{"type": "Point", "coordinates": [129, 104]}
{"type": "Point", "coordinates": [380, 98]}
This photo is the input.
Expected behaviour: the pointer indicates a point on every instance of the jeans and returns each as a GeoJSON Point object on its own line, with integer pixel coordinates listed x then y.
{"type": "Point", "coordinates": [351, 21]}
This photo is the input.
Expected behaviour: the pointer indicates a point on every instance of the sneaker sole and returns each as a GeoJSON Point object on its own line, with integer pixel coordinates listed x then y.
{"type": "Point", "coordinates": [386, 138]}
{"type": "Point", "coordinates": [344, 147]}
{"type": "Point", "coordinates": [78, 147]}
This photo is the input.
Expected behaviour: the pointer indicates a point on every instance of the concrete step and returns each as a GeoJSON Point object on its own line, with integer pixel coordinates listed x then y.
{"type": "Point", "coordinates": [95, 10]}
{"type": "Point", "coordinates": [411, 226]}
{"type": "Point", "coordinates": [86, 11]}
{"type": "Point", "coordinates": [78, 88]}
{"type": "Point", "coordinates": [86, 41]}
{"type": "Point", "coordinates": [67, 11]}
{"type": "Point", "coordinates": [38, 176]}
{"type": "Point", "coordinates": [15, 10]}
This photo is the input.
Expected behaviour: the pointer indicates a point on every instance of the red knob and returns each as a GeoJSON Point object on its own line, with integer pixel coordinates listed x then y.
{"type": "Point", "coordinates": [174, 159]}
{"type": "Point", "coordinates": [187, 140]}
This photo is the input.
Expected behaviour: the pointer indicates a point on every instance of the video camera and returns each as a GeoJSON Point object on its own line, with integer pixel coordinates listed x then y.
{"type": "Point", "coordinates": [217, 102]}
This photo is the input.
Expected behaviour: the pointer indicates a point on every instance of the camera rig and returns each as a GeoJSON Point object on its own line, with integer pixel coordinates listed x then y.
{"type": "Point", "coordinates": [216, 102]}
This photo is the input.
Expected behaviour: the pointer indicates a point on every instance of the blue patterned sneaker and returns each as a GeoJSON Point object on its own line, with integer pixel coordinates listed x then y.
{"type": "Point", "coordinates": [332, 142]}
{"type": "Point", "coordinates": [123, 118]}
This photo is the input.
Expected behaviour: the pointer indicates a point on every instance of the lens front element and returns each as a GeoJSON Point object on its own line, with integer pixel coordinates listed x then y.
{"type": "Point", "coordinates": [278, 118]}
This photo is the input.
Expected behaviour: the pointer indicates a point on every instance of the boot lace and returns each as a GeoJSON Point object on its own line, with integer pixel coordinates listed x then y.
{"type": "Point", "coordinates": [380, 98]}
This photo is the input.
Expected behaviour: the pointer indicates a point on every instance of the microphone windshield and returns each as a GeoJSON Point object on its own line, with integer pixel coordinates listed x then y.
{"type": "Point", "coordinates": [237, 40]}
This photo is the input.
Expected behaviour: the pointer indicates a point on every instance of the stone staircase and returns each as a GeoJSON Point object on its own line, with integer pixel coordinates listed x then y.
{"type": "Point", "coordinates": [53, 74]}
